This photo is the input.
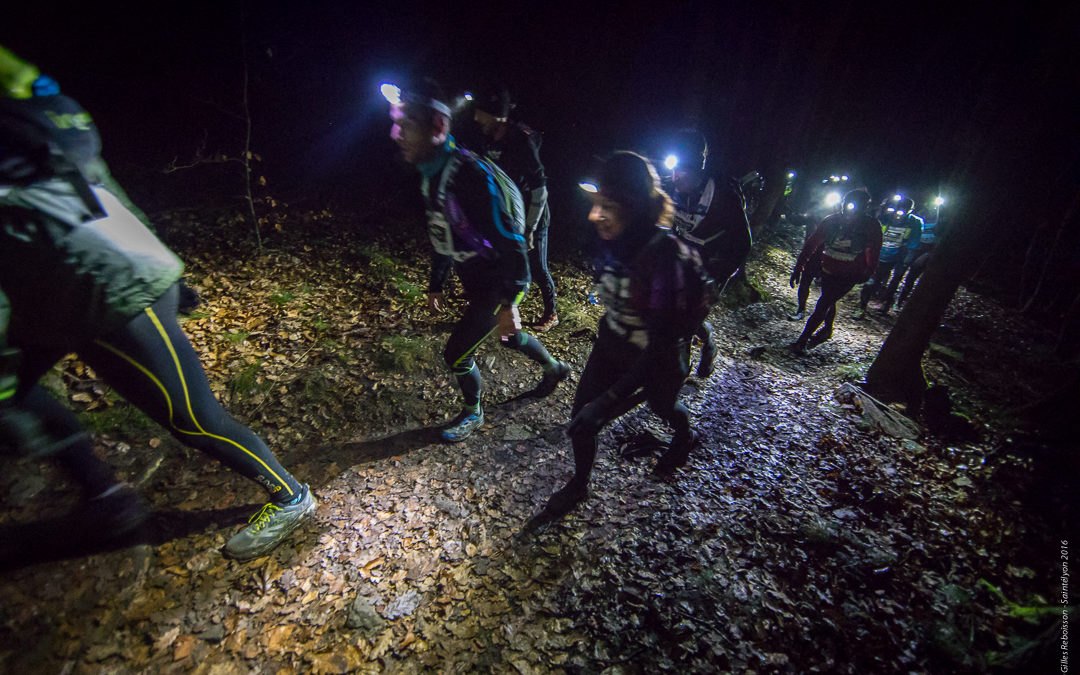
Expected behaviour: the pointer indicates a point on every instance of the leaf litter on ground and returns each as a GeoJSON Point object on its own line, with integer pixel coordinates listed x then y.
{"type": "Point", "coordinates": [793, 533]}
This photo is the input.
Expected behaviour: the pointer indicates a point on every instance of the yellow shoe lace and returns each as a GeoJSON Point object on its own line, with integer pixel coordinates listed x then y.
{"type": "Point", "coordinates": [263, 517]}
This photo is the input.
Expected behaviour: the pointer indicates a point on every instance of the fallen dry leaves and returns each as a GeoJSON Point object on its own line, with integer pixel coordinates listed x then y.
{"type": "Point", "coordinates": [792, 535]}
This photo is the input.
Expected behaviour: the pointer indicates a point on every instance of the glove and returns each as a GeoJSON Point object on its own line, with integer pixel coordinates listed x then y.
{"type": "Point", "coordinates": [593, 416]}
{"type": "Point", "coordinates": [796, 275]}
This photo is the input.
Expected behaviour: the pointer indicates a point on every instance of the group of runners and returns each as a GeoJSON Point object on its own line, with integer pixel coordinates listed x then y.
{"type": "Point", "coordinates": [81, 272]}
{"type": "Point", "coordinates": [854, 246]}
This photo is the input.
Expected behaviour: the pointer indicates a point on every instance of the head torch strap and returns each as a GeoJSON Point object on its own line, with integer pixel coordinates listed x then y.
{"type": "Point", "coordinates": [437, 106]}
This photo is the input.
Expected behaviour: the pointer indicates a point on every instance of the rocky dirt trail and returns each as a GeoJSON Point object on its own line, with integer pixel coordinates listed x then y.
{"type": "Point", "coordinates": [795, 532]}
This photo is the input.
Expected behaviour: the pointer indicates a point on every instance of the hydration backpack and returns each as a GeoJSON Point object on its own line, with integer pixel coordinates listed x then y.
{"type": "Point", "coordinates": [847, 241]}
{"type": "Point", "coordinates": [719, 228]}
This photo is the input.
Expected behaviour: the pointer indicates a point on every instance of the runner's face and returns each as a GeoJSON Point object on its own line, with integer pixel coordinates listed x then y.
{"type": "Point", "coordinates": [413, 136]}
{"type": "Point", "coordinates": [606, 216]}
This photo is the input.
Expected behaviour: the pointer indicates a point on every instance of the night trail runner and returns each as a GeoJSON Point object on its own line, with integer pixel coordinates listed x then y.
{"type": "Point", "coordinates": [920, 255]}
{"type": "Point", "coordinates": [851, 240]}
{"type": "Point", "coordinates": [710, 214]}
{"type": "Point", "coordinates": [85, 275]}
{"type": "Point", "coordinates": [515, 148]}
{"type": "Point", "coordinates": [900, 230]}
{"type": "Point", "coordinates": [476, 224]}
{"type": "Point", "coordinates": [654, 291]}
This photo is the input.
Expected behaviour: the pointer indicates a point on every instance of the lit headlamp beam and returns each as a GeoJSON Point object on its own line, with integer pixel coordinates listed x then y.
{"type": "Point", "coordinates": [588, 187]}
{"type": "Point", "coordinates": [393, 94]}
{"type": "Point", "coordinates": [670, 162]}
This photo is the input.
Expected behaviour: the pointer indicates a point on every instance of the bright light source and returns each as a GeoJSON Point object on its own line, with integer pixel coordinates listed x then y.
{"type": "Point", "coordinates": [391, 92]}
{"type": "Point", "coordinates": [833, 198]}
{"type": "Point", "coordinates": [850, 207]}
{"type": "Point", "coordinates": [890, 209]}
{"type": "Point", "coordinates": [835, 179]}
{"type": "Point", "coordinates": [670, 162]}
{"type": "Point", "coordinates": [897, 198]}
{"type": "Point", "coordinates": [588, 187]}
{"type": "Point", "coordinates": [843, 177]}
{"type": "Point", "coordinates": [938, 201]}
{"type": "Point", "coordinates": [791, 174]}
{"type": "Point", "coordinates": [468, 96]}
{"type": "Point", "coordinates": [899, 213]}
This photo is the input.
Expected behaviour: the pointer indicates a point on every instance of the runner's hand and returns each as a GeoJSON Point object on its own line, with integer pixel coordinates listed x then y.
{"type": "Point", "coordinates": [795, 276]}
{"type": "Point", "coordinates": [509, 322]}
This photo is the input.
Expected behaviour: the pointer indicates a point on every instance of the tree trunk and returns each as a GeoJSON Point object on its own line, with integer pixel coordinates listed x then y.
{"type": "Point", "coordinates": [896, 374]}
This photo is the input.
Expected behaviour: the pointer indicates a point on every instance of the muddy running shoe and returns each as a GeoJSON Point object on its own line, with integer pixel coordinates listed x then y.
{"type": "Point", "coordinates": [708, 357]}
{"type": "Point", "coordinates": [675, 457]}
{"type": "Point", "coordinates": [463, 425]}
{"type": "Point", "coordinates": [797, 316]}
{"type": "Point", "coordinates": [551, 379]}
{"type": "Point", "coordinates": [548, 322]}
{"type": "Point", "coordinates": [269, 527]}
{"type": "Point", "coordinates": [558, 505]}
{"type": "Point", "coordinates": [858, 314]}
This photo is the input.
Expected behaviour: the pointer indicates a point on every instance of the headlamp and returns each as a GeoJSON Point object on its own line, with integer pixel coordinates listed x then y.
{"type": "Point", "coordinates": [468, 96]}
{"type": "Point", "coordinates": [939, 200]}
{"type": "Point", "coordinates": [897, 198]}
{"type": "Point", "coordinates": [833, 198]}
{"type": "Point", "coordinates": [395, 96]}
{"type": "Point", "coordinates": [588, 187]}
{"type": "Point", "coordinates": [670, 162]}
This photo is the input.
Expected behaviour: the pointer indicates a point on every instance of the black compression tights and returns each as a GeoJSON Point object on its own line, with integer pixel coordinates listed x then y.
{"type": "Point", "coordinates": [832, 289]}
{"type": "Point", "coordinates": [608, 360]}
{"type": "Point", "coordinates": [151, 363]}
{"type": "Point", "coordinates": [475, 325]}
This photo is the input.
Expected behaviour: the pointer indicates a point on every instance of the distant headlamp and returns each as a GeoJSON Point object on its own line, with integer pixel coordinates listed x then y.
{"type": "Point", "coordinates": [670, 162]}
{"type": "Point", "coordinates": [395, 96]}
{"type": "Point", "coordinates": [468, 96]}
{"type": "Point", "coordinates": [897, 198]}
{"type": "Point", "coordinates": [939, 200]}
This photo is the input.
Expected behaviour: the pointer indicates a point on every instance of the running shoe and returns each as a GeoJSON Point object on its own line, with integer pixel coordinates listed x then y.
{"type": "Point", "coordinates": [551, 379]}
{"type": "Point", "coordinates": [463, 425]}
{"type": "Point", "coordinates": [269, 527]}
{"type": "Point", "coordinates": [548, 322]}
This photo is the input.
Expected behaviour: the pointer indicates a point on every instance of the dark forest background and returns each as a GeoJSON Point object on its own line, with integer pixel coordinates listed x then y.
{"type": "Point", "coordinates": [974, 103]}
